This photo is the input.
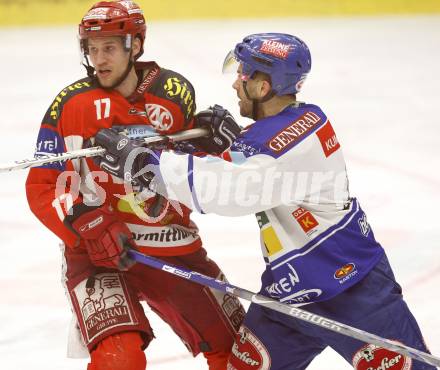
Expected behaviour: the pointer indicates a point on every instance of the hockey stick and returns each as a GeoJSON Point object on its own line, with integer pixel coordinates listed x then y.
{"type": "Point", "coordinates": [289, 310]}
{"type": "Point", "coordinates": [96, 150]}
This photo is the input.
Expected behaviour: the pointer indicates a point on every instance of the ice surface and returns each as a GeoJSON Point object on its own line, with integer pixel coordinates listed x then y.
{"type": "Point", "coordinates": [376, 78]}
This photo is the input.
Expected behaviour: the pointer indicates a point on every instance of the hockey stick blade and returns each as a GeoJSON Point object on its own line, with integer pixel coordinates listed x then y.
{"type": "Point", "coordinates": [95, 151]}
{"type": "Point", "coordinates": [289, 310]}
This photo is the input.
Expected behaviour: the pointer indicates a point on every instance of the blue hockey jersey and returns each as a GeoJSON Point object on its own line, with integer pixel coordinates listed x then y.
{"type": "Point", "coordinates": [289, 170]}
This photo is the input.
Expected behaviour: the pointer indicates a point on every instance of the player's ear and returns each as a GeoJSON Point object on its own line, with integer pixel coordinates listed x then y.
{"type": "Point", "coordinates": [136, 46]}
{"type": "Point", "coordinates": [262, 88]}
{"type": "Point", "coordinates": [265, 87]}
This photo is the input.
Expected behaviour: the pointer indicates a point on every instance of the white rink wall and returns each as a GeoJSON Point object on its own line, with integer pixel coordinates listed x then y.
{"type": "Point", "coordinates": [376, 78]}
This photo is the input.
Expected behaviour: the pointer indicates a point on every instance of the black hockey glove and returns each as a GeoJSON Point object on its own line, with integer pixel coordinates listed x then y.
{"type": "Point", "coordinates": [222, 126]}
{"type": "Point", "coordinates": [125, 158]}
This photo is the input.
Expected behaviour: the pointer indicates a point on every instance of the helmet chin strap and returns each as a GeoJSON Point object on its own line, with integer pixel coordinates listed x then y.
{"type": "Point", "coordinates": [256, 102]}
{"type": "Point", "coordinates": [90, 70]}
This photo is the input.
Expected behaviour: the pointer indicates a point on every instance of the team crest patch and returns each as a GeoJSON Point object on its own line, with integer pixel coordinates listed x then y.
{"type": "Point", "coordinates": [159, 116]}
{"type": "Point", "coordinates": [248, 352]}
{"type": "Point", "coordinates": [372, 357]}
{"type": "Point", "coordinates": [102, 301]}
{"type": "Point", "coordinates": [233, 309]}
{"type": "Point", "coordinates": [230, 305]}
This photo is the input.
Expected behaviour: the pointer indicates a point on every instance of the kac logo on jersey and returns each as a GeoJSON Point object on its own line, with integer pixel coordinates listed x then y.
{"type": "Point", "coordinates": [160, 117]}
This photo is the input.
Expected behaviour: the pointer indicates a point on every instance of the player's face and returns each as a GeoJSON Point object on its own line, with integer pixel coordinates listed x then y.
{"type": "Point", "coordinates": [244, 103]}
{"type": "Point", "coordinates": [109, 58]}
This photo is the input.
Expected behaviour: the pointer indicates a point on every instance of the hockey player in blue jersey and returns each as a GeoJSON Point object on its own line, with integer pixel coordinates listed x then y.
{"type": "Point", "coordinates": [287, 168]}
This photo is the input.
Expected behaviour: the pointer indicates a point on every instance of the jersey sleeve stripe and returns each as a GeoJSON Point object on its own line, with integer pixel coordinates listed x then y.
{"type": "Point", "coordinates": [191, 184]}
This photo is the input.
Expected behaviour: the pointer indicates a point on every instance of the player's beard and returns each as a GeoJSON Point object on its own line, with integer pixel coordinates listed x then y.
{"type": "Point", "coordinates": [110, 80]}
{"type": "Point", "coordinates": [115, 78]}
{"type": "Point", "coordinates": [245, 107]}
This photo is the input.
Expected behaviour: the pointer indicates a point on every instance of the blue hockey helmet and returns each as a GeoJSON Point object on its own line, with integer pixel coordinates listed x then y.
{"type": "Point", "coordinates": [285, 58]}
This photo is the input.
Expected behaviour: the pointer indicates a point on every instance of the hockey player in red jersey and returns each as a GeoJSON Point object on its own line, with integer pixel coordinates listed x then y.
{"type": "Point", "coordinates": [97, 216]}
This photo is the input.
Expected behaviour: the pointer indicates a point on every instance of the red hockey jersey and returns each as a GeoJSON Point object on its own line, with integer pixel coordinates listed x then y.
{"type": "Point", "coordinates": [166, 104]}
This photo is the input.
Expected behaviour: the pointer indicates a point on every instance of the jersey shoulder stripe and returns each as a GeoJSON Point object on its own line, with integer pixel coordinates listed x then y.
{"type": "Point", "coordinates": [54, 112]}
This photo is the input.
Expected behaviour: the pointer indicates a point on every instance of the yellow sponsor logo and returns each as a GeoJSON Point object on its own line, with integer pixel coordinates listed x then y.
{"type": "Point", "coordinates": [54, 112]}
{"type": "Point", "coordinates": [271, 241]}
{"type": "Point", "coordinates": [307, 222]}
{"type": "Point", "coordinates": [129, 204]}
{"type": "Point", "coordinates": [176, 88]}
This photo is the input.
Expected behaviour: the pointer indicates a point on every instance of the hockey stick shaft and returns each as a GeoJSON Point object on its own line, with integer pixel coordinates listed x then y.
{"type": "Point", "coordinates": [287, 309]}
{"type": "Point", "coordinates": [95, 151]}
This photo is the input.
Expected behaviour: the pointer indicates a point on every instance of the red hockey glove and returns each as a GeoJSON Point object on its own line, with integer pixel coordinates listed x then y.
{"type": "Point", "coordinates": [106, 238]}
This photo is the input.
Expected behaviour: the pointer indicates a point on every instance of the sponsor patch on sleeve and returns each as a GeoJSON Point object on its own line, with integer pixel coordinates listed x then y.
{"type": "Point", "coordinates": [54, 112]}
{"type": "Point", "coordinates": [179, 90]}
{"type": "Point", "coordinates": [294, 132]}
{"type": "Point", "coordinates": [328, 139]}
{"type": "Point", "coordinates": [49, 144]}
